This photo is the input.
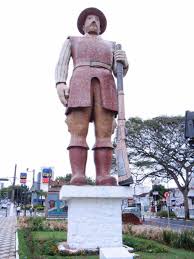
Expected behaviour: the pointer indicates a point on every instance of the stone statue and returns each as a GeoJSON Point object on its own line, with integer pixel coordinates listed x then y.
{"type": "Point", "coordinates": [91, 95]}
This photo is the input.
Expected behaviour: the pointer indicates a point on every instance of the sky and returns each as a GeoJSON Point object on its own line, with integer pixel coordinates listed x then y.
{"type": "Point", "coordinates": [157, 37]}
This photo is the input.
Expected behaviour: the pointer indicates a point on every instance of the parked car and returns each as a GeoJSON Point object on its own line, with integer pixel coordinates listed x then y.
{"type": "Point", "coordinates": [134, 210]}
{"type": "Point", "coordinates": [4, 206]}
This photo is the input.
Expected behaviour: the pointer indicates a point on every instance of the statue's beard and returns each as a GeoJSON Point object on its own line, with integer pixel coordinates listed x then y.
{"type": "Point", "coordinates": [92, 29]}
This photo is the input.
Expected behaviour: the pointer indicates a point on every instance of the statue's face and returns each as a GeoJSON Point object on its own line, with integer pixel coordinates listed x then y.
{"type": "Point", "coordinates": [92, 25]}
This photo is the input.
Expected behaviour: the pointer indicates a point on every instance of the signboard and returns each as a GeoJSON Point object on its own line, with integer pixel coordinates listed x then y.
{"type": "Point", "coordinates": [23, 177]}
{"type": "Point", "coordinates": [46, 174]}
{"type": "Point", "coordinates": [22, 180]}
{"type": "Point", "coordinates": [55, 208]}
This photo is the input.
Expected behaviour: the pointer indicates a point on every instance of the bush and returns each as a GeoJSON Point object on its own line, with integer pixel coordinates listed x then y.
{"type": "Point", "coordinates": [143, 245]}
{"type": "Point", "coordinates": [39, 207]}
{"type": "Point", "coordinates": [49, 247]}
{"type": "Point", "coordinates": [184, 239]}
{"type": "Point", "coordinates": [22, 222]}
{"type": "Point", "coordinates": [144, 231]}
{"type": "Point", "coordinates": [169, 236]}
{"type": "Point", "coordinates": [164, 213]}
{"type": "Point", "coordinates": [28, 206]}
{"type": "Point", "coordinates": [36, 223]}
{"type": "Point", "coordinates": [56, 225]}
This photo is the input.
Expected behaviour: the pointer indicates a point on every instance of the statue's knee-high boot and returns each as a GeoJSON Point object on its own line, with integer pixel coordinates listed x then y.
{"type": "Point", "coordinates": [103, 162]}
{"type": "Point", "coordinates": [78, 158]}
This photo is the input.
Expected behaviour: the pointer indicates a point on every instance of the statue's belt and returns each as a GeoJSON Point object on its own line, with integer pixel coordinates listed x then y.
{"type": "Point", "coordinates": [93, 64]}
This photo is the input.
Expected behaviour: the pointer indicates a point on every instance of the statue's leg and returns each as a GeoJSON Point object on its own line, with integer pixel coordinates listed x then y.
{"type": "Point", "coordinates": [78, 121]}
{"type": "Point", "coordinates": [103, 120]}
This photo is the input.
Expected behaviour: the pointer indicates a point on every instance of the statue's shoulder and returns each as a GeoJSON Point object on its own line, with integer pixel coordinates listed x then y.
{"type": "Point", "coordinates": [112, 44]}
{"type": "Point", "coordinates": [71, 38]}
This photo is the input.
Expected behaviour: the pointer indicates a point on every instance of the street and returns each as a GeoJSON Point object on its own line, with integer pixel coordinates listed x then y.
{"type": "Point", "coordinates": [175, 224]}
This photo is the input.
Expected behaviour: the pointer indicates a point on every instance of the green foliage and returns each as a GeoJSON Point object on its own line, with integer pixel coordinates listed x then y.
{"type": "Point", "coordinates": [144, 245]}
{"type": "Point", "coordinates": [39, 207]}
{"type": "Point", "coordinates": [67, 179]}
{"type": "Point", "coordinates": [49, 247]}
{"type": "Point", "coordinates": [6, 192]}
{"type": "Point", "coordinates": [184, 239]}
{"type": "Point", "coordinates": [23, 247]}
{"type": "Point", "coordinates": [49, 235]}
{"type": "Point", "coordinates": [160, 189]}
{"type": "Point", "coordinates": [27, 206]}
{"type": "Point", "coordinates": [164, 213]}
{"type": "Point", "coordinates": [157, 149]}
{"type": "Point", "coordinates": [172, 254]}
{"type": "Point", "coordinates": [72, 257]}
{"type": "Point", "coordinates": [90, 181]}
{"type": "Point", "coordinates": [36, 223]}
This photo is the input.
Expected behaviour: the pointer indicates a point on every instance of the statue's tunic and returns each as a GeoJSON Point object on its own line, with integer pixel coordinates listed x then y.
{"type": "Point", "coordinates": [92, 58]}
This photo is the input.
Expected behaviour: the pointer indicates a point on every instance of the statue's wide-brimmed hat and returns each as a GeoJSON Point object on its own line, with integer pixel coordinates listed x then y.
{"type": "Point", "coordinates": [90, 11]}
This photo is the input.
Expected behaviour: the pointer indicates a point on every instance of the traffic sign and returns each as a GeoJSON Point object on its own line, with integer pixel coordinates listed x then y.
{"type": "Point", "coordinates": [166, 194]}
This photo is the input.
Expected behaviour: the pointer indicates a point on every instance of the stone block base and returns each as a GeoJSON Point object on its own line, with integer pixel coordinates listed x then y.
{"type": "Point", "coordinates": [94, 215]}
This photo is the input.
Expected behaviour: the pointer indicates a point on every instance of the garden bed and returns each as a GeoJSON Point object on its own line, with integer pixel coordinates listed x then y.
{"type": "Point", "coordinates": [38, 239]}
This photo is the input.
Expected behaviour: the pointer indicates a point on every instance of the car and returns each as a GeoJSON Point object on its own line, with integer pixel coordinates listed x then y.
{"type": "Point", "coordinates": [4, 206]}
{"type": "Point", "coordinates": [133, 210]}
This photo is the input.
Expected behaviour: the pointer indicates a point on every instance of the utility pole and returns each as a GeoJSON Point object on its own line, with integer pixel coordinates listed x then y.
{"type": "Point", "coordinates": [33, 177]}
{"type": "Point", "coordinates": [13, 185]}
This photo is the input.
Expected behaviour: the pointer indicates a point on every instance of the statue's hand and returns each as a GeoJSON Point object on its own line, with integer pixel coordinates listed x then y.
{"type": "Point", "coordinates": [120, 56]}
{"type": "Point", "coordinates": [63, 93]}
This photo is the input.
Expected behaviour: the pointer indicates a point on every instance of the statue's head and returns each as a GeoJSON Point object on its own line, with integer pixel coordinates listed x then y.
{"type": "Point", "coordinates": [91, 21]}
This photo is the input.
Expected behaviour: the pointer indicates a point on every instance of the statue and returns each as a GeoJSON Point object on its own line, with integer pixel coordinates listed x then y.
{"type": "Point", "coordinates": [91, 95]}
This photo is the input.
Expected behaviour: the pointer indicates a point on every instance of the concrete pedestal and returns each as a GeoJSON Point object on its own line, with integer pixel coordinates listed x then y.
{"type": "Point", "coordinates": [94, 215]}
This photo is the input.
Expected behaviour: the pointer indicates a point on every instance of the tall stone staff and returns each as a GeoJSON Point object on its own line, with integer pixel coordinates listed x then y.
{"type": "Point", "coordinates": [91, 95]}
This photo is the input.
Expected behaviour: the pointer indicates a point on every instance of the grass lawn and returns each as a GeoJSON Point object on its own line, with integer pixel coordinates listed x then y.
{"type": "Point", "coordinates": [23, 248]}
{"type": "Point", "coordinates": [159, 251]}
{"type": "Point", "coordinates": [172, 254]}
{"type": "Point", "coordinates": [39, 238]}
{"type": "Point", "coordinates": [47, 235]}
{"type": "Point", "coordinates": [74, 257]}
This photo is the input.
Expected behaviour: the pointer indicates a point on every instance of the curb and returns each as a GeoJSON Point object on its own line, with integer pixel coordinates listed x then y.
{"type": "Point", "coordinates": [182, 219]}
{"type": "Point", "coordinates": [16, 245]}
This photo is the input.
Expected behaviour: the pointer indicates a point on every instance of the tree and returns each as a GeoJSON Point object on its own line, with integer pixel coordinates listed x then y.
{"type": "Point", "coordinates": [41, 194]}
{"type": "Point", "coordinates": [19, 194]}
{"type": "Point", "coordinates": [157, 148]}
{"type": "Point", "coordinates": [67, 179]}
{"type": "Point", "coordinates": [5, 192]}
{"type": "Point", "coordinates": [160, 190]}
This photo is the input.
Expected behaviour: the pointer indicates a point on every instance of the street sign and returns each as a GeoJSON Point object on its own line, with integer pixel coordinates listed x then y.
{"type": "Point", "coordinates": [155, 193]}
{"type": "Point", "coordinates": [166, 194]}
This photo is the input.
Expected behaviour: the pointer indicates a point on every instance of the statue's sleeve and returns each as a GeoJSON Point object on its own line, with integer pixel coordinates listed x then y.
{"type": "Point", "coordinates": [61, 71]}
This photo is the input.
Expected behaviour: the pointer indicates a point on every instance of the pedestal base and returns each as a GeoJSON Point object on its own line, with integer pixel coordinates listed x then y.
{"type": "Point", "coordinates": [115, 253]}
{"type": "Point", "coordinates": [94, 215]}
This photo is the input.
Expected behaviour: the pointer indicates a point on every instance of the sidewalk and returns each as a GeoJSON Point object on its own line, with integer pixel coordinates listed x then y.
{"type": "Point", "coordinates": [7, 235]}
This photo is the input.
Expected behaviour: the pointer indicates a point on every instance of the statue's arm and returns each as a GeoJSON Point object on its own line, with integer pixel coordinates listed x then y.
{"type": "Point", "coordinates": [61, 72]}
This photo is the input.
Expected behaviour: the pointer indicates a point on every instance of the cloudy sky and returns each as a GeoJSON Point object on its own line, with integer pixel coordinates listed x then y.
{"type": "Point", "coordinates": [156, 35]}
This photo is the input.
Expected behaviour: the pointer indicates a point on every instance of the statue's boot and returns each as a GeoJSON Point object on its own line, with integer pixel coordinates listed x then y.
{"type": "Point", "coordinates": [103, 162]}
{"type": "Point", "coordinates": [78, 158]}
